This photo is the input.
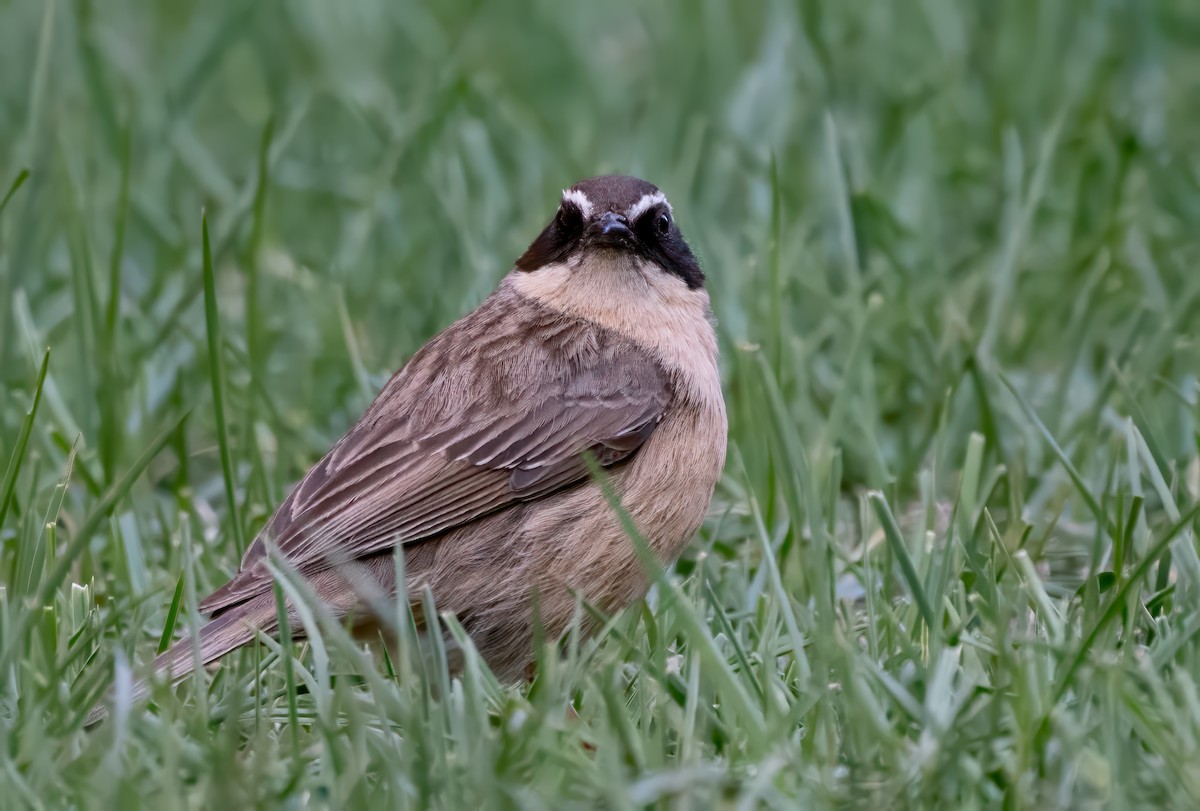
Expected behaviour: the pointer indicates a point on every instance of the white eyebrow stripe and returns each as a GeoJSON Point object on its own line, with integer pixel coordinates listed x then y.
{"type": "Point", "coordinates": [647, 202]}
{"type": "Point", "coordinates": [579, 199]}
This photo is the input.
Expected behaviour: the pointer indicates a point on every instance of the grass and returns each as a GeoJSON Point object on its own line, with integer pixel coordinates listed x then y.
{"type": "Point", "coordinates": [952, 562]}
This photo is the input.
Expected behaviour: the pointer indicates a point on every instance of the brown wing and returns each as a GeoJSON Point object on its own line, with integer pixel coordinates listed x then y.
{"type": "Point", "coordinates": [496, 410]}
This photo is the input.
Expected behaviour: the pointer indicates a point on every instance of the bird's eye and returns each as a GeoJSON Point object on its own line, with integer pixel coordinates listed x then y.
{"type": "Point", "coordinates": [663, 223]}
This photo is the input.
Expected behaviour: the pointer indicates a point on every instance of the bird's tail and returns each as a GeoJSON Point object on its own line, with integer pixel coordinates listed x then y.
{"type": "Point", "coordinates": [230, 630]}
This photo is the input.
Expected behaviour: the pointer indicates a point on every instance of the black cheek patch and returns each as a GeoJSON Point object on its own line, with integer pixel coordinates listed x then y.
{"type": "Point", "coordinates": [669, 251]}
{"type": "Point", "coordinates": [556, 241]}
{"type": "Point", "coordinates": [679, 260]}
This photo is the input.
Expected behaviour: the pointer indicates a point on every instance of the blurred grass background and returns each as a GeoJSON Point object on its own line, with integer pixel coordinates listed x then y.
{"type": "Point", "coordinates": [952, 250]}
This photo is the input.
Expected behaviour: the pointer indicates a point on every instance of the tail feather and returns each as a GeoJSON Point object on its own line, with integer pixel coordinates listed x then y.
{"type": "Point", "coordinates": [225, 633]}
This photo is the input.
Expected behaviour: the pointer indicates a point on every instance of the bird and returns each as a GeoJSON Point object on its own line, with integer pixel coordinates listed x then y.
{"type": "Point", "coordinates": [478, 457]}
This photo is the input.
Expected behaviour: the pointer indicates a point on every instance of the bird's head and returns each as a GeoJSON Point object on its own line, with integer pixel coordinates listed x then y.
{"type": "Point", "coordinates": [614, 218]}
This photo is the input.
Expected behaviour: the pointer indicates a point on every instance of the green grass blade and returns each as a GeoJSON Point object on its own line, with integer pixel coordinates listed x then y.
{"type": "Point", "coordinates": [900, 551]}
{"type": "Point", "coordinates": [110, 396]}
{"type": "Point", "coordinates": [255, 315]}
{"type": "Point", "coordinates": [17, 183]}
{"type": "Point", "coordinates": [168, 632]}
{"type": "Point", "coordinates": [1076, 479]}
{"type": "Point", "coordinates": [217, 380]}
{"type": "Point", "coordinates": [18, 452]}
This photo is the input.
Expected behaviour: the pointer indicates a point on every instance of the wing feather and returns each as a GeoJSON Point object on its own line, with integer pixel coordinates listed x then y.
{"type": "Point", "coordinates": [496, 410]}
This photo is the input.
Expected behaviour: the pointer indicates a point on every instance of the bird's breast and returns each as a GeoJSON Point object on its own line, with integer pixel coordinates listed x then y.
{"type": "Point", "coordinates": [668, 486]}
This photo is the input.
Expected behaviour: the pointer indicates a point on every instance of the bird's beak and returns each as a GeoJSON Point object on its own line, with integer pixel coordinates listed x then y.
{"type": "Point", "coordinates": [612, 229]}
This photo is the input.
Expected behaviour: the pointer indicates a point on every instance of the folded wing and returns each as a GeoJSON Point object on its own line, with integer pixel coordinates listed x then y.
{"type": "Point", "coordinates": [496, 410]}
